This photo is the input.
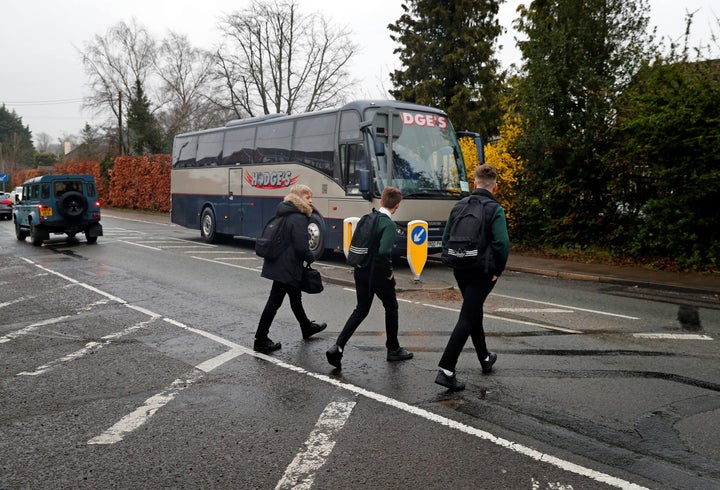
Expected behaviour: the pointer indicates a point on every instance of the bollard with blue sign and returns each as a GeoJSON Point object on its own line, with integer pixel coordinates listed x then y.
{"type": "Point", "coordinates": [348, 230]}
{"type": "Point", "coordinates": [417, 245]}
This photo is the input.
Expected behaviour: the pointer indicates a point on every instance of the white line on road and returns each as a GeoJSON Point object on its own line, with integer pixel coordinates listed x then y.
{"type": "Point", "coordinates": [154, 403]}
{"type": "Point", "coordinates": [253, 269]}
{"type": "Point", "coordinates": [300, 474]}
{"type": "Point", "coordinates": [89, 347]}
{"type": "Point", "coordinates": [566, 306]}
{"type": "Point", "coordinates": [533, 310]}
{"type": "Point", "coordinates": [142, 414]}
{"type": "Point", "coordinates": [672, 336]}
{"type": "Point", "coordinates": [31, 328]}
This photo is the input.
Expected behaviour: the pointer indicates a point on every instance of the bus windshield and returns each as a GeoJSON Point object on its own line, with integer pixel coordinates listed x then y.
{"type": "Point", "coordinates": [426, 157]}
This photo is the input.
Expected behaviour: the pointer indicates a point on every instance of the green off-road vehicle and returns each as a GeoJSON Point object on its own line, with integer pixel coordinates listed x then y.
{"type": "Point", "coordinates": [59, 204]}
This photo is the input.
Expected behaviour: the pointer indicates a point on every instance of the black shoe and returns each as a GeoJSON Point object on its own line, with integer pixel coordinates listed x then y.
{"type": "Point", "coordinates": [334, 356]}
{"type": "Point", "coordinates": [449, 382]}
{"type": "Point", "coordinates": [266, 345]}
{"type": "Point", "coordinates": [312, 329]}
{"type": "Point", "coordinates": [400, 354]}
{"type": "Point", "coordinates": [488, 362]}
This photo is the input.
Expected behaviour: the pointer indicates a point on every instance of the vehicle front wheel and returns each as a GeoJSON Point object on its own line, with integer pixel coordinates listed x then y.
{"type": "Point", "coordinates": [207, 225]}
{"type": "Point", "coordinates": [316, 233]}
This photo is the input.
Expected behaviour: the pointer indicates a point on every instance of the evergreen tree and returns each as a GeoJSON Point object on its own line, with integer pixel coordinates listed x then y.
{"type": "Point", "coordinates": [577, 57]}
{"type": "Point", "coordinates": [146, 136]}
{"type": "Point", "coordinates": [447, 53]}
{"type": "Point", "coordinates": [15, 141]}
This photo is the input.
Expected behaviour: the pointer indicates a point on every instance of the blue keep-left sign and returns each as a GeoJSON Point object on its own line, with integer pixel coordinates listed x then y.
{"type": "Point", "coordinates": [3, 178]}
{"type": "Point", "coordinates": [419, 235]}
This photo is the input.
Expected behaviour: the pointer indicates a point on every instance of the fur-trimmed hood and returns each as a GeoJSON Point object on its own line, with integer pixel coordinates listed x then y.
{"type": "Point", "coordinates": [299, 203]}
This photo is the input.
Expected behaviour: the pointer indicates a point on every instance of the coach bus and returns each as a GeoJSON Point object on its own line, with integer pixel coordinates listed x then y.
{"type": "Point", "coordinates": [228, 180]}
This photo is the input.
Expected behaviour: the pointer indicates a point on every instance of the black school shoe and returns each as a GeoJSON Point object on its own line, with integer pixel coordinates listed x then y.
{"type": "Point", "coordinates": [449, 382]}
{"type": "Point", "coordinates": [488, 362]}
{"type": "Point", "coordinates": [334, 356]}
{"type": "Point", "coordinates": [266, 345]}
{"type": "Point", "coordinates": [312, 329]}
{"type": "Point", "coordinates": [400, 354]}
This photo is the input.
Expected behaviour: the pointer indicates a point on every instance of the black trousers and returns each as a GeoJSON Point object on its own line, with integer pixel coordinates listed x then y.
{"type": "Point", "coordinates": [275, 300]}
{"type": "Point", "coordinates": [368, 286]}
{"type": "Point", "coordinates": [475, 288]}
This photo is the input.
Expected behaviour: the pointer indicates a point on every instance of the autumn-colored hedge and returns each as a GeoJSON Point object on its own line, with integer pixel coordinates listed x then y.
{"type": "Point", "coordinates": [140, 183]}
{"type": "Point", "coordinates": [132, 182]}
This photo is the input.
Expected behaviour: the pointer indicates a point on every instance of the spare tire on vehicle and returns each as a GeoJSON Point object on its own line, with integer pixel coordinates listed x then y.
{"type": "Point", "coordinates": [72, 205]}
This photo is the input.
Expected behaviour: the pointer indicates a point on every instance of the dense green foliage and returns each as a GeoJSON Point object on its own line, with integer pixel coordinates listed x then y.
{"type": "Point", "coordinates": [578, 56]}
{"type": "Point", "coordinates": [665, 165]}
{"type": "Point", "coordinates": [15, 141]}
{"type": "Point", "coordinates": [447, 53]}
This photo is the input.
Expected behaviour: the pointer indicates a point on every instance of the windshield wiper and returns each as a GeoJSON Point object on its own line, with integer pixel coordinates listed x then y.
{"type": "Point", "coordinates": [431, 192]}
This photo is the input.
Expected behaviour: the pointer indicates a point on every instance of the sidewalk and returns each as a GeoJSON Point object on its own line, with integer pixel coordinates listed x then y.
{"type": "Point", "coordinates": [563, 269]}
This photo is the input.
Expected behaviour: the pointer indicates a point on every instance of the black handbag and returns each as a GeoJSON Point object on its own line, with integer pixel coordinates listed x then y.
{"type": "Point", "coordinates": [311, 281]}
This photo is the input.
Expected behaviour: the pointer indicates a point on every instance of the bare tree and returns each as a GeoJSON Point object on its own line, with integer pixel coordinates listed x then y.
{"type": "Point", "coordinates": [186, 79]}
{"type": "Point", "coordinates": [43, 142]}
{"type": "Point", "coordinates": [276, 59]}
{"type": "Point", "coordinates": [113, 64]}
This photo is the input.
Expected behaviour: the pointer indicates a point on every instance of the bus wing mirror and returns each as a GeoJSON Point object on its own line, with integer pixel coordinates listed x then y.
{"type": "Point", "coordinates": [364, 183]}
{"type": "Point", "coordinates": [478, 143]}
{"type": "Point", "coordinates": [378, 146]}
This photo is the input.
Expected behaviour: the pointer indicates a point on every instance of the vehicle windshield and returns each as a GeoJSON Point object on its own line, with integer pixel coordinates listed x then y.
{"type": "Point", "coordinates": [426, 156]}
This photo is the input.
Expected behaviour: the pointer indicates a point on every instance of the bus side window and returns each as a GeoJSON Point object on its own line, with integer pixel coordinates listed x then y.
{"type": "Point", "coordinates": [209, 149]}
{"type": "Point", "coordinates": [184, 151]}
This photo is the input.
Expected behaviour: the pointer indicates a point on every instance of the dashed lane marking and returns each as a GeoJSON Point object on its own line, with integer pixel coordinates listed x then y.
{"type": "Point", "coordinates": [300, 474]}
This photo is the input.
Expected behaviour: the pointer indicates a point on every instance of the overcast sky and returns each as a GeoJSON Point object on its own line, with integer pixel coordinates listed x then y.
{"type": "Point", "coordinates": [42, 79]}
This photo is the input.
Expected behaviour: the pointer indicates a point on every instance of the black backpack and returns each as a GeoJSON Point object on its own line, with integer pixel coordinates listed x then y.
{"type": "Point", "coordinates": [362, 245]}
{"type": "Point", "coordinates": [272, 242]}
{"type": "Point", "coordinates": [468, 246]}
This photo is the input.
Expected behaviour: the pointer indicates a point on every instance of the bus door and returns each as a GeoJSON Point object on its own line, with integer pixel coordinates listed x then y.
{"type": "Point", "coordinates": [246, 211]}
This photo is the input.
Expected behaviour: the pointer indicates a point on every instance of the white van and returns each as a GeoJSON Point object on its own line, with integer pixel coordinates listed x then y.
{"type": "Point", "coordinates": [16, 194]}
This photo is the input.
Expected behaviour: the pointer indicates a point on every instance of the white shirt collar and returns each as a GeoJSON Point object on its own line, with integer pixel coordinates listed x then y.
{"type": "Point", "coordinates": [386, 211]}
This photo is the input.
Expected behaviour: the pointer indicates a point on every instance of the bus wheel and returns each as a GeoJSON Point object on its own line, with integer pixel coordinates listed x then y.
{"type": "Point", "coordinates": [207, 225]}
{"type": "Point", "coordinates": [317, 236]}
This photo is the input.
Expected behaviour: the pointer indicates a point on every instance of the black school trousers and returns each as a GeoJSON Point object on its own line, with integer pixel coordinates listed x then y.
{"type": "Point", "coordinates": [367, 286]}
{"type": "Point", "coordinates": [475, 288]}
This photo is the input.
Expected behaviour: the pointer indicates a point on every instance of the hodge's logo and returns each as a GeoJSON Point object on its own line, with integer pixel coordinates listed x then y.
{"type": "Point", "coordinates": [271, 180]}
{"type": "Point", "coordinates": [429, 120]}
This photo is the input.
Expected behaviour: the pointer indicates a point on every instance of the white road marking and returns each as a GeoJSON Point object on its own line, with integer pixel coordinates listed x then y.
{"type": "Point", "coordinates": [300, 474]}
{"type": "Point", "coordinates": [253, 269]}
{"type": "Point", "coordinates": [227, 252]}
{"type": "Point", "coordinates": [141, 245]}
{"type": "Point", "coordinates": [154, 403]}
{"type": "Point", "coordinates": [89, 347]}
{"type": "Point", "coordinates": [672, 336]}
{"type": "Point", "coordinates": [533, 310]}
{"type": "Point", "coordinates": [31, 328]}
{"type": "Point", "coordinates": [566, 306]}
{"type": "Point", "coordinates": [142, 414]}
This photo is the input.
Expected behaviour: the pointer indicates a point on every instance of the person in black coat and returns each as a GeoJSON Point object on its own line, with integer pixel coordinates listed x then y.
{"type": "Point", "coordinates": [286, 271]}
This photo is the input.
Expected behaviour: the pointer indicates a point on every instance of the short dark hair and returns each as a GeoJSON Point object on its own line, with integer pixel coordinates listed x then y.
{"type": "Point", "coordinates": [486, 175]}
{"type": "Point", "coordinates": [391, 196]}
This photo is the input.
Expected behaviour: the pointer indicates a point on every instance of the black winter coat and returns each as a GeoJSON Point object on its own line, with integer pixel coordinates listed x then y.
{"type": "Point", "coordinates": [287, 268]}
